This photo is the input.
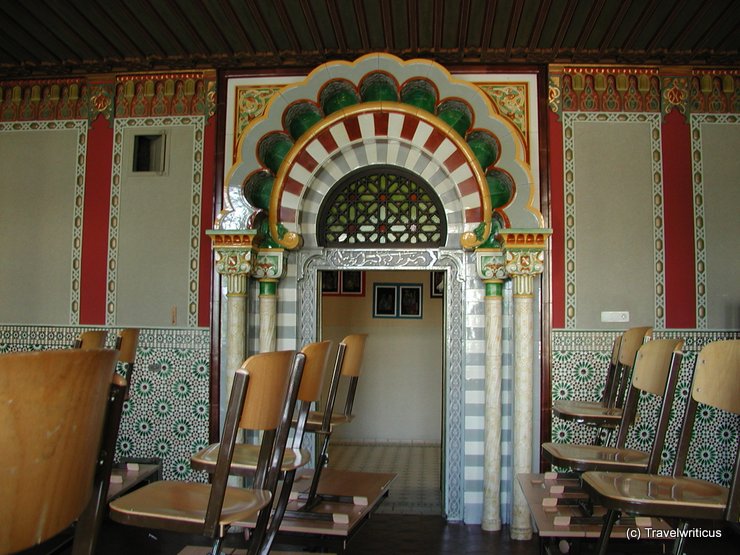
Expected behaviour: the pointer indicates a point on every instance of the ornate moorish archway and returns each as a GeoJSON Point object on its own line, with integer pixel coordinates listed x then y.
{"type": "Point", "coordinates": [413, 115]}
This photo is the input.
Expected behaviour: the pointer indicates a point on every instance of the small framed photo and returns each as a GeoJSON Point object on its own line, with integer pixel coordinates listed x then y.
{"type": "Point", "coordinates": [330, 282]}
{"type": "Point", "coordinates": [409, 301]}
{"type": "Point", "coordinates": [353, 282]}
{"type": "Point", "coordinates": [437, 285]}
{"type": "Point", "coordinates": [385, 302]}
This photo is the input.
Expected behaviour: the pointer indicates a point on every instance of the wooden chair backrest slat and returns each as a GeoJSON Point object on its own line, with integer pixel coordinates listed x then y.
{"type": "Point", "coordinates": [52, 407]}
{"type": "Point", "coordinates": [352, 363]}
{"type": "Point", "coordinates": [717, 376]}
{"type": "Point", "coordinates": [313, 371]}
{"type": "Point", "coordinates": [128, 341]}
{"type": "Point", "coordinates": [268, 382]}
{"type": "Point", "coordinates": [652, 364]}
{"type": "Point", "coordinates": [93, 339]}
{"type": "Point", "coordinates": [632, 339]}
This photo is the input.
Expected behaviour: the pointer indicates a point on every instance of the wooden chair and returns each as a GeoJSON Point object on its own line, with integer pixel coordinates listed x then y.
{"type": "Point", "coordinates": [716, 383]}
{"type": "Point", "coordinates": [608, 413]}
{"type": "Point", "coordinates": [348, 364]}
{"type": "Point", "coordinates": [245, 457]}
{"type": "Point", "coordinates": [656, 370]}
{"type": "Point", "coordinates": [93, 339]}
{"type": "Point", "coordinates": [262, 399]}
{"type": "Point", "coordinates": [88, 526]}
{"type": "Point", "coordinates": [52, 409]}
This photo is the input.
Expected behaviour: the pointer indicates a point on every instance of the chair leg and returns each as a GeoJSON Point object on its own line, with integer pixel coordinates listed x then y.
{"type": "Point", "coordinates": [216, 549]}
{"type": "Point", "coordinates": [606, 530]}
{"type": "Point", "coordinates": [678, 543]}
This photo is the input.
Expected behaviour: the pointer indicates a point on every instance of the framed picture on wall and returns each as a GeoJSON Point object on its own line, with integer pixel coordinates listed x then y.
{"type": "Point", "coordinates": [329, 282]}
{"type": "Point", "coordinates": [352, 282]}
{"type": "Point", "coordinates": [409, 305]}
{"type": "Point", "coordinates": [385, 301]}
{"type": "Point", "coordinates": [437, 285]}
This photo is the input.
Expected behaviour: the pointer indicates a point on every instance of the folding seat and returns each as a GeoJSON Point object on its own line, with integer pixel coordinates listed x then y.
{"type": "Point", "coordinates": [716, 383]}
{"type": "Point", "coordinates": [262, 399]}
{"type": "Point", "coordinates": [656, 370]}
{"type": "Point", "coordinates": [52, 408]}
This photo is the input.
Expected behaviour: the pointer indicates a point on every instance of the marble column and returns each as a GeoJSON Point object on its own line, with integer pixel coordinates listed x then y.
{"type": "Point", "coordinates": [234, 262]}
{"type": "Point", "coordinates": [524, 259]}
{"type": "Point", "coordinates": [268, 315]}
{"type": "Point", "coordinates": [268, 269]}
{"type": "Point", "coordinates": [491, 271]}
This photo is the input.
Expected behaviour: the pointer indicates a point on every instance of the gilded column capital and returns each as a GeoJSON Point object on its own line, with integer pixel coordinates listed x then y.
{"type": "Point", "coordinates": [269, 264]}
{"type": "Point", "coordinates": [524, 256]}
{"type": "Point", "coordinates": [234, 254]}
{"type": "Point", "coordinates": [491, 269]}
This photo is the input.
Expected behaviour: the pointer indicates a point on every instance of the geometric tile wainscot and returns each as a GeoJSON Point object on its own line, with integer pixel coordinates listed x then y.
{"type": "Point", "coordinates": [579, 361]}
{"type": "Point", "coordinates": [166, 415]}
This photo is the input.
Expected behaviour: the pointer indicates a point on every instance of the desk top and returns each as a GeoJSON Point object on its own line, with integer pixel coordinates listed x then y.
{"type": "Point", "coordinates": [367, 488]}
{"type": "Point", "coordinates": [553, 501]}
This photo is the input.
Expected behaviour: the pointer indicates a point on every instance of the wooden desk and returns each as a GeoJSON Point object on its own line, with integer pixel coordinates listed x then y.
{"type": "Point", "coordinates": [126, 476]}
{"type": "Point", "coordinates": [553, 500]}
{"type": "Point", "coordinates": [332, 523]}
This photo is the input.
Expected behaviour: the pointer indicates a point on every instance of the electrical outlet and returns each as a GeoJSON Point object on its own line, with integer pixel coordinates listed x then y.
{"type": "Point", "coordinates": [615, 316]}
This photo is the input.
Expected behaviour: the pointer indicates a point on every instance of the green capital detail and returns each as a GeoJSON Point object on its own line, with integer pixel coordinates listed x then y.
{"type": "Point", "coordinates": [494, 289]}
{"type": "Point", "coordinates": [268, 287]}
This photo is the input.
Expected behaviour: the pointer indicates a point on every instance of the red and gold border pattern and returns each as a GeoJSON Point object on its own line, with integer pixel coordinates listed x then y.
{"type": "Point", "coordinates": [135, 95]}
{"type": "Point", "coordinates": [643, 89]}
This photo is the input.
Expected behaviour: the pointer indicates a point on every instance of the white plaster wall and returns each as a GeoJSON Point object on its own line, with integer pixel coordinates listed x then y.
{"type": "Point", "coordinates": [153, 252]}
{"type": "Point", "coordinates": [36, 225]}
{"type": "Point", "coordinates": [720, 146]}
{"type": "Point", "coordinates": [614, 222]}
{"type": "Point", "coordinates": [399, 395]}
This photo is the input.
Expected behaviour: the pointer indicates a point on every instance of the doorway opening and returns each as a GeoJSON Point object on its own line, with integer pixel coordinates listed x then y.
{"type": "Point", "coordinates": [452, 263]}
{"type": "Point", "coordinates": [399, 415]}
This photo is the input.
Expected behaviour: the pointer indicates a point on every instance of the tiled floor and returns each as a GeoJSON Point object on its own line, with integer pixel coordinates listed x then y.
{"type": "Point", "coordinates": [415, 491]}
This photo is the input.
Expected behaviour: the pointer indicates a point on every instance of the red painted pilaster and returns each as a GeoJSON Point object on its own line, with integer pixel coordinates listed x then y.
{"type": "Point", "coordinates": [206, 222]}
{"type": "Point", "coordinates": [98, 168]}
{"type": "Point", "coordinates": [557, 215]}
{"type": "Point", "coordinates": [680, 274]}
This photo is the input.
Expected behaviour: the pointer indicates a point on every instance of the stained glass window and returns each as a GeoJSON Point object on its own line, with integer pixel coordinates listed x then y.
{"type": "Point", "coordinates": [382, 206]}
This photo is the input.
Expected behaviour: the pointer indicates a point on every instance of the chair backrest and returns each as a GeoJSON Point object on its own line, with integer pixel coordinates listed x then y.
{"type": "Point", "coordinates": [348, 363]}
{"type": "Point", "coordinates": [611, 370]}
{"type": "Point", "coordinates": [92, 339]}
{"type": "Point", "coordinates": [126, 344]}
{"type": "Point", "coordinates": [311, 384]}
{"type": "Point", "coordinates": [52, 406]}
{"type": "Point", "coordinates": [88, 526]}
{"type": "Point", "coordinates": [656, 370]}
{"type": "Point", "coordinates": [716, 383]}
{"type": "Point", "coordinates": [632, 339]}
{"type": "Point", "coordinates": [262, 398]}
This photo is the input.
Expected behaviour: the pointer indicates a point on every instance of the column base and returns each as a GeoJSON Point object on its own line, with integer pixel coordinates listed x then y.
{"type": "Point", "coordinates": [521, 534]}
{"type": "Point", "coordinates": [492, 525]}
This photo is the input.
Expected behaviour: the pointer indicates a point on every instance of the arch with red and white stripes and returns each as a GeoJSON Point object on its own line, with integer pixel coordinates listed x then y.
{"type": "Point", "coordinates": [390, 134]}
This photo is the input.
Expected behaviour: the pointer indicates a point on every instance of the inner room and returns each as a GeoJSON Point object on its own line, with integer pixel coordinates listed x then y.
{"type": "Point", "coordinates": [398, 424]}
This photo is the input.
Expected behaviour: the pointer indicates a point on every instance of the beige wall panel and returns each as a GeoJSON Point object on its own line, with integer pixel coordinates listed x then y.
{"type": "Point", "coordinates": [36, 225]}
{"type": "Point", "coordinates": [153, 251]}
{"type": "Point", "coordinates": [614, 223]}
{"type": "Point", "coordinates": [721, 165]}
{"type": "Point", "coordinates": [399, 395]}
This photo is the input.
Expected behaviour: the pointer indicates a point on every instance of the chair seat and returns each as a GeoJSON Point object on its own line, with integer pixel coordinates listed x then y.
{"type": "Point", "coordinates": [596, 415]}
{"type": "Point", "coordinates": [245, 458]}
{"type": "Point", "coordinates": [181, 506]}
{"type": "Point", "coordinates": [571, 405]}
{"type": "Point", "coordinates": [595, 457]}
{"type": "Point", "coordinates": [315, 420]}
{"type": "Point", "coordinates": [656, 495]}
